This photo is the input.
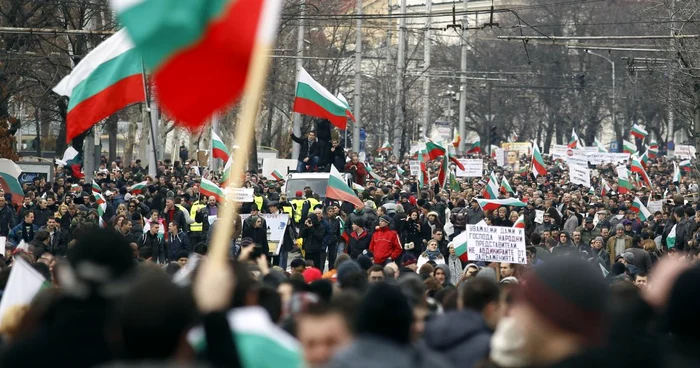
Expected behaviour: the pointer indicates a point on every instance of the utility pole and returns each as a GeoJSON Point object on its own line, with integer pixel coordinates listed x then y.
{"type": "Point", "coordinates": [463, 82]}
{"type": "Point", "coordinates": [670, 135]}
{"type": "Point", "coordinates": [385, 127]}
{"type": "Point", "coordinates": [296, 126]}
{"type": "Point", "coordinates": [358, 81]}
{"type": "Point", "coordinates": [400, 69]}
{"type": "Point", "coordinates": [426, 66]}
{"type": "Point", "coordinates": [153, 155]}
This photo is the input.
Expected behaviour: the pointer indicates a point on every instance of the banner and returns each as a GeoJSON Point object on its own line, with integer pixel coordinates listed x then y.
{"type": "Point", "coordinates": [597, 158]}
{"type": "Point", "coordinates": [240, 194]}
{"type": "Point", "coordinates": [579, 158]}
{"type": "Point", "coordinates": [539, 216]}
{"type": "Point", "coordinates": [414, 167]}
{"type": "Point", "coordinates": [654, 206]}
{"type": "Point", "coordinates": [558, 150]}
{"type": "Point", "coordinates": [500, 157]}
{"type": "Point", "coordinates": [496, 244]}
{"type": "Point", "coordinates": [276, 226]}
{"type": "Point", "coordinates": [684, 151]}
{"type": "Point", "coordinates": [473, 168]}
{"type": "Point", "coordinates": [579, 175]}
{"type": "Point", "coordinates": [522, 148]}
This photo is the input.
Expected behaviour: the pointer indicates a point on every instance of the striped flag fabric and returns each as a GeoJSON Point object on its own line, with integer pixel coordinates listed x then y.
{"type": "Point", "coordinates": [443, 174]}
{"type": "Point", "coordinates": [218, 148]}
{"type": "Point", "coordinates": [492, 187]}
{"type": "Point", "coordinates": [138, 188]}
{"type": "Point", "coordinates": [23, 284]}
{"type": "Point", "coordinates": [638, 168]}
{"type": "Point", "coordinates": [199, 52]}
{"type": "Point", "coordinates": [624, 185]}
{"type": "Point", "coordinates": [653, 150]}
{"type": "Point", "coordinates": [520, 222]}
{"type": "Point", "coordinates": [456, 140]}
{"type": "Point", "coordinates": [348, 112]}
{"type": "Point", "coordinates": [209, 188]}
{"type": "Point", "coordinates": [640, 209]}
{"type": "Point", "coordinates": [604, 188]}
{"type": "Point", "coordinates": [685, 165]}
{"type": "Point", "coordinates": [474, 147]}
{"type": "Point", "coordinates": [505, 186]}
{"type": "Point", "coordinates": [385, 147]}
{"type": "Point", "coordinates": [9, 179]}
{"type": "Point", "coordinates": [434, 150]}
{"type": "Point", "coordinates": [573, 142]}
{"type": "Point", "coordinates": [314, 100]}
{"type": "Point", "coordinates": [96, 187]}
{"type": "Point", "coordinates": [671, 238]}
{"type": "Point", "coordinates": [676, 174]}
{"type": "Point", "coordinates": [599, 145]}
{"type": "Point", "coordinates": [460, 244]}
{"type": "Point", "coordinates": [538, 167]}
{"type": "Point", "coordinates": [276, 174]}
{"type": "Point", "coordinates": [106, 80]}
{"type": "Point", "coordinates": [423, 178]}
{"type": "Point", "coordinates": [629, 147]}
{"type": "Point", "coordinates": [454, 184]}
{"type": "Point", "coordinates": [638, 132]}
{"type": "Point", "coordinates": [338, 189]}
{"type": "Point", "coordinates": [494, 204]}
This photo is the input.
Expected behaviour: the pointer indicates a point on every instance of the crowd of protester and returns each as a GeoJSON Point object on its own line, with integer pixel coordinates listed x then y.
{"type": "Point", "coordinates": [378, 286]}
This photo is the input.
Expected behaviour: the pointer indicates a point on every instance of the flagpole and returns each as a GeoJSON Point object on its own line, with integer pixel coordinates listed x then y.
{"type": "Point", "coordinates": [153, 121]}
{"type": "Point", "coordinates": [255, 82]}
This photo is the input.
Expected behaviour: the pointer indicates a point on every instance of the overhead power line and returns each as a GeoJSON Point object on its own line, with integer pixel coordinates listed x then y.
{"type": "Point", "coordinates": [583, 38]}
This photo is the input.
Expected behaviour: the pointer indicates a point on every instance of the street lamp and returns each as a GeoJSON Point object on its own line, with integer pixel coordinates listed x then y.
{"type": "Point", "coordinates": [613, 80]}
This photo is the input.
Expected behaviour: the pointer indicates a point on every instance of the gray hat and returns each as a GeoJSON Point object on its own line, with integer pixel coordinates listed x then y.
{"type": "Point", "coordinates": [629, 257]}
{"type": "Point", "coordinates": [386, 219]}
{"type": "Point", "coordinates": [619, 227]}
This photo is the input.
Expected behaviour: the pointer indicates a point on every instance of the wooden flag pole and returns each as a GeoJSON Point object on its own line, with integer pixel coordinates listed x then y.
{"type": "Point", "coordinates": [255, 83]}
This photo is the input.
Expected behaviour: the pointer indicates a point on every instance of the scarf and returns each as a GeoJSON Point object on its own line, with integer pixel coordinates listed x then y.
{"type": "Point", "coordinates": [27, 232]}
{"type": "Point", "coordinates": [432, 255]}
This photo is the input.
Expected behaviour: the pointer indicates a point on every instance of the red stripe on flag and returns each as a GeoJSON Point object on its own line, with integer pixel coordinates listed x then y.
{"type": "Point", "coordinates": [308, 107]}
{"type": "Point", "coordinates": [100, 106]}
{"type": "Point", "coordinates": [219, 153]}
{"type": "Point", "coordinates": [210, 75]}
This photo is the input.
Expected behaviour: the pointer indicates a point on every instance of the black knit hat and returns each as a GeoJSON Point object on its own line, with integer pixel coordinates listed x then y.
{"type": "Point", "coordinates": [571, 293]}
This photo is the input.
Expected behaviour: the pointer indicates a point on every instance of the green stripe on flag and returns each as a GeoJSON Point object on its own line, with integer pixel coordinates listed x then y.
{"type": "Point", "coordinates": [307, 92]}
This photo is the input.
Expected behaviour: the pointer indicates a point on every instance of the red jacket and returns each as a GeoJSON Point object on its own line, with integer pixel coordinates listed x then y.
{"type": "Point", "coordinates": [385, 243]}
{"type": "Point", "coordinates": [360, 174]}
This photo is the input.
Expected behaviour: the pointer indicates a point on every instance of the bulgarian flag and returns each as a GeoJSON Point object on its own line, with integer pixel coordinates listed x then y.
{"type": "Point", "coordinates": [105, 81]}
{"type": "Point", "coordinates": [520, 222]}
{"type": "Point", "coordinates": [227, 171]}
{"type": "Point", "coordinates": [686, 165]}
{"type": "Point", "coordinates": [198, 51]}
{"type": "Point", "coordinates": [629, 147]}
{"type": "Point", "coordinates": [138, 188]}
{"type": "Point", "coordinates": [397, 179]}
{"type": "Point", "coordinates": [434, 150]}
{"type": "Point", "coordinates": [491, 190]}
{"type": "Point", "coordinates": [653, 150]}
{"type": "Point", "coordinates": [538, 167]}
{"type": "Point", "coordinates": [456, 140]}
{"type": "Point", "coordinates": [101, 208]}
{"type": "Point", "coordinates": [494, 204]}
{"type": "Point", "coordinates": [9, 179]}
{"type": "Point", "coordinates": [505, 186]}
{"type": "Point", "coordinates": [475, 147]}
{"type": "Point", "coordinates": [96, 188]}
{"type": "Point", "coordinates": [218, 148]}
{"type": "Point", "coordinates": [423, 178]}
{"type": "Point", "coordinates": [460, 244]}
{"type": "Point", "coordinates": [573, 142]}
{"type": "Point", "coordinates": [359, 188]}
{"type": "Point", "coordinates": [371, 172]}
{"type": "Point", "coordinates": [638, 132]}
{"type": "Point", "coordinates": [342, 99]}
{"type": "Point", "coordinates": [443, 174]}
{"type": "Point", "coordinates": [671, 238]}
{"type": "Point", "coordinates": [385, 147]}
{"type": "Point", "coordinates": [276, 174]}
{"type": "Point", "coordinates": [208, 188]}
{"type": "Point", "coordinates": [676, 174]}
{"type": "Point", "coordinates": [638, 168]}
{"type": "Point", "coordinates": [641, 209]}
{"type": "Point", "coordinates": [624, 185]}
{"type": "Point", "coordinates": [599, 145]}
{"type": "Point", "coordinates": [338, 189]}
{"type": "Point", "coordinates": [604, 188]}
{"type": "Point", "coordinates": [314, 100]}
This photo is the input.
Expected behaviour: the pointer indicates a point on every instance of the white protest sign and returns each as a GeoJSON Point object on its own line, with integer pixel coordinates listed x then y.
{"type": "Point", "coordinates": [500, 157]}
{"type": "Point", "coordinates": [558, 150]}
{"type": "Point", "coordinates": [3, 240]}
{"type": "Point", "coordinates": [473, 168]}
{"type": "Point", "coordinates": [240, 194]}
{"type": "Point", "coordinates": [684, 151]}
{"type": "Point", "coordinates": [539, 216]}
{"type": "Point", "coordinates": [579, 158]}
{"type": "Point", "coordinates": [654, 206]}
{"type": "Point", "coordinates": [276, 225]}
{"type": "Point", "coordinates": [414, 167]}
{"type": "Point", "coordinates": [622, 172]}
{"type": "Point", "coordinates": [579, 175]}
{"type": "Point", "coordinates": [597, 158]}
{"type": "Point", "coordinates": [496, 244]}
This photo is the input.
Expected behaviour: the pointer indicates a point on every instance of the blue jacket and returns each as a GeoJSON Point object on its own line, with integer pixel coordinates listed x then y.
{"type": "Point", "coordinates": [15, 235]}
{"type": "Point", "coordinates": [461, 336]}
{"type": "Point", "coordinates": [178, 243]}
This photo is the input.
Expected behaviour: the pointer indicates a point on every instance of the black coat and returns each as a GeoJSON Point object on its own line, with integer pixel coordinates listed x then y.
{"type": "Point", "coordinates": [411, 233]}
{"type": "Point", "coordinates": [259, 236]}
{"type": "Point", "coordinates": [357, 245]}
{"type": "Point", "coordinates": [313, 236]}
{"type": "Point", "coordinates": [7, 220]}
{"type": "Point", "coordinates": [304, 143]}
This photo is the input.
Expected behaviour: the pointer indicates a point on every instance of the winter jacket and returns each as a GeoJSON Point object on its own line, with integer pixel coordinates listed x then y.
{"type": "Point", "coordinates": [370, 218]}
{"type": "Point", "coordinates": [411, 234]}
{"type": "Point", "coordinates": [461, 336]}
{"type": "Point", "coordinates": [588, 235]}
{"type": "Point", "coordinates": [313, 236]}
{"type": "Point", "coordinates": [459, 218]}
{"type": "Point", "coordinates": [7, 220]}
{"type": "Point", "coordinates": [58, 243]}
{"type": "Point", "coordinates": [385, 244]}
{"type": "Point", "coordinates": [42, 216]}
{"type": "Point", "coordinates": [370, 352]}
{"type": "Point", "coordinates": [611, 246]}
{"type": "Point", "coordinates": [259, 236]}
{"type": "Point", "coordinates": [177, 217]}
{"type": "Point", "coordinates": [16, 234]}
{"type": "Point", "coordinates": [474, 216]}
{"type": "Point", "coordinates": [641, 259]}
{"type": "Point", "coordinates": [202, 216]}
{"type": "Point", "coordinates": [358, 243]}
{"type": "Point", "coordinates": [177, 243]}
{"type": "Point", "coordinates": [156, 244]}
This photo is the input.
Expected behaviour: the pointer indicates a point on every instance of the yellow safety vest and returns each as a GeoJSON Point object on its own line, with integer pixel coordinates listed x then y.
{"type": "Point", "coordinates": [312, 203]}
{"type": "Point", "coordinates": [196, 226]}
{"type": "Point", "coordinates": [288, 210]}
{"type": "Point", "coordinates": [259, 200]}
{"type": "Point", "coordinates": [298, 204]}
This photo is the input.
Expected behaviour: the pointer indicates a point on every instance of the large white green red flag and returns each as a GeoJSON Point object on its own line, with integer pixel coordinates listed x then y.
{"type": "Point", "coordinates": [671, 238]}
{"type": "Point", "coordinates": [138, 188]}
{"type": "Point", "coordinates": [106, 80]}
{"type": "Point", "coordinates": [348, 112]}
{"type": "Point", "coordinates": [218, 148]}
{"type": "Point", "coordinates": [599, 145]}
{"type": "Point", "coordinates": [314, 100]}
{"type": "Point", "coordinates": [338, 189]}
{"type": "Point", "coordinates": [573, 142]}
{"type": "Point", "coordinates": [641, 209]}
{"type": "Point", "coordinates": [520, 222]}
{"type": "Point", "coordinates": [492, 187]}
{"type": "Point", "coordinates": [538, 167]}
{"type": "Point", "coordinates": [209, 188]}
{"type": "Point", "coordinates": [23, 284]}
{"type": "Point", "coordinates": [638, 132]}
{"type": "Point", "coordinates": [199, 52]}
{"type": "Point", "coordinates": [494, 204]}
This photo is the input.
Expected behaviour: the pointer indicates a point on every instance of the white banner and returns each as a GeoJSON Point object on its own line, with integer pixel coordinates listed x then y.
{"type": "Point", "coordinates": [622, 172]}
{"type": "Point", "coordinates": [654, 206]}
{"type": "Point", "coordinates": [597, 158]}
{"type": "Point", "coordinates": [558, 150]}
{"type": "Point", "coordinates": [500, 157]}
{"type": "Point", "coordinates": [579, 158]}
{"type": "Point", "coordinates": [579, 175]}
{"type": "Point", "coordinates": [684, 151]}
{"type": "Point", "coordinates": [276, 225]}
{"type": "Point", "coordinates": [496, 244]}
{"type": "Point", "coordinates": [539, 216]}
{"type": "Point", "coordinates": [240, 194]}
{"type": "Point", "coordinates": [414, 167]}
{"type": "Point", "coordinates": [473, 168]}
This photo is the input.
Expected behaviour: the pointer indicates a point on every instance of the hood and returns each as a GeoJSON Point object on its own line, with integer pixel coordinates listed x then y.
{"type": "Point", "coordinates": [446, 269]}
{"type": "Point", "coordinates": [488, 273]}
{"type": "Point", "coordinates": [470, 265]}
{"type": "Point", "coordinates": [454, 328]}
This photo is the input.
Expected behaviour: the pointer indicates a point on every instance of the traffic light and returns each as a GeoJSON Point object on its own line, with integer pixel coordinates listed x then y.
{"type": "Point", "coordinates": [494, 138]}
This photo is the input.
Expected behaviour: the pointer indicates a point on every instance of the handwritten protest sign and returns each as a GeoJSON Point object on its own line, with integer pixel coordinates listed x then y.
{"type": "Point", "coordinates": [580, 175]}
{"type": "Point", "coordinates": [496, 244]}
{"type": "Point", "coordinates": [473, 168]}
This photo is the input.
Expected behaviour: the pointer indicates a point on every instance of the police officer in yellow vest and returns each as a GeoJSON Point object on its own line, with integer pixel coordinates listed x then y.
{"type": "Point", "coordinates": [285, 206]}
{"type": "Point", "coordinates": [310, 203]}
{"type": "Point", "coordinates": [298, 205]}
{"type": "Point", "coordinates": [196, 233]}
{"type": "Point", "coordinates": [259, 200]}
